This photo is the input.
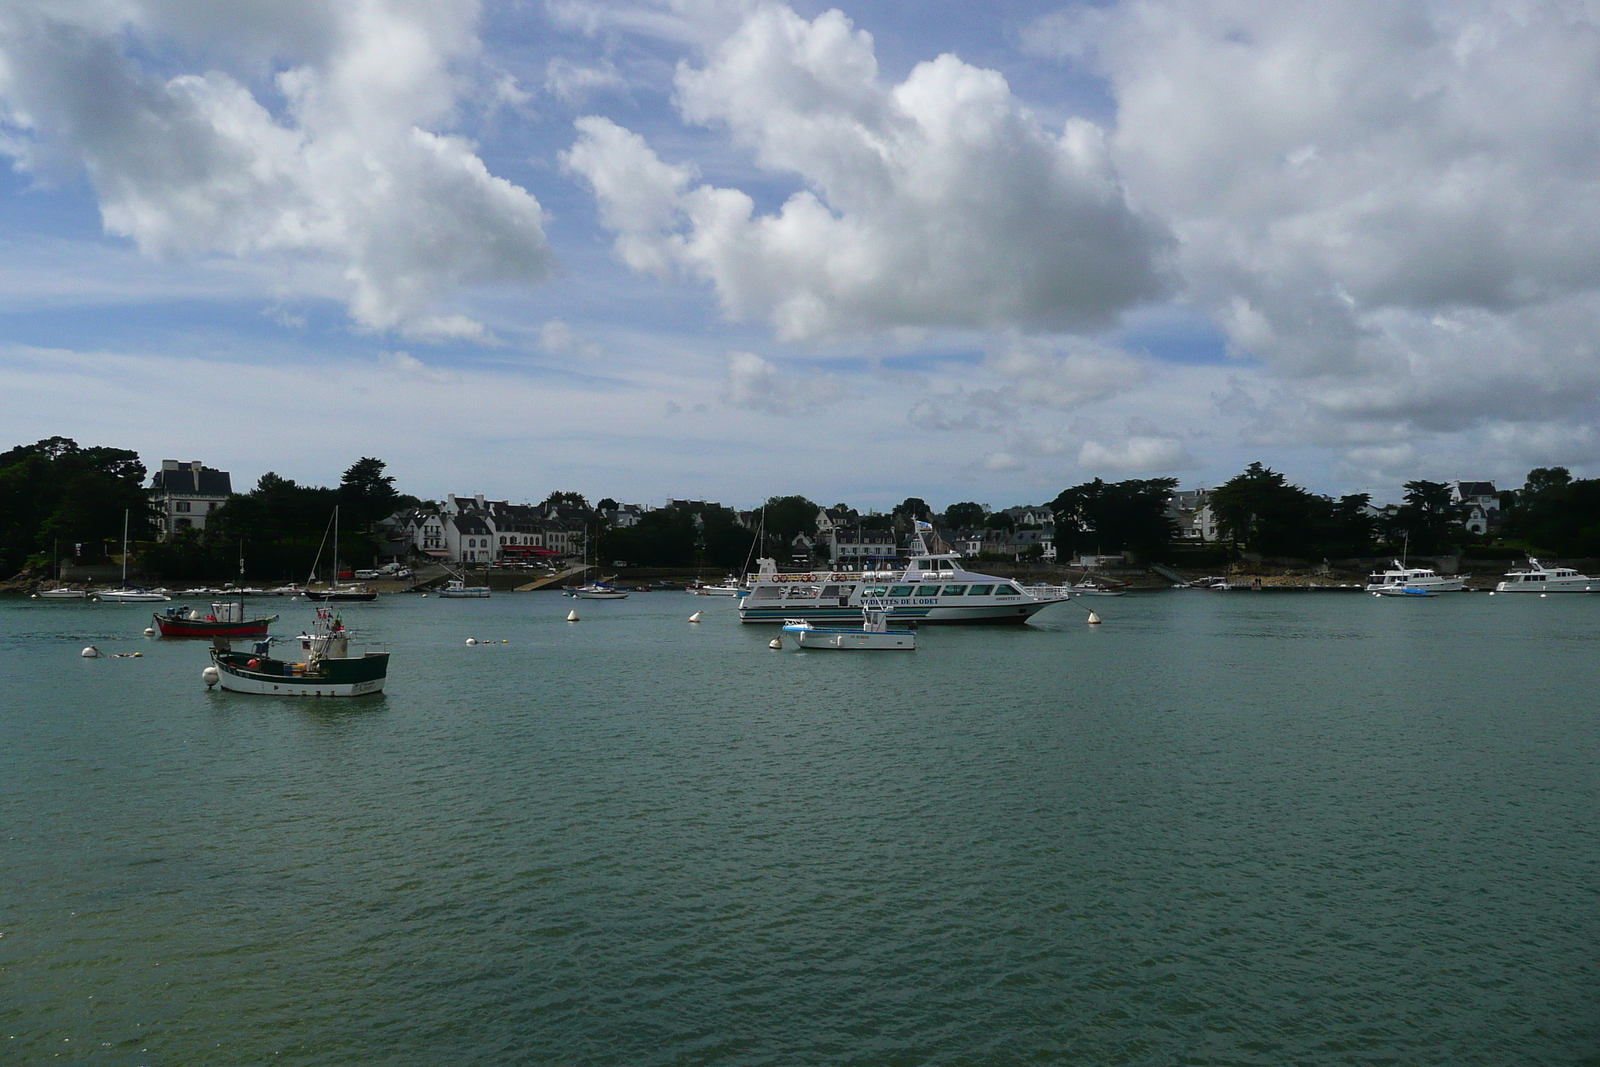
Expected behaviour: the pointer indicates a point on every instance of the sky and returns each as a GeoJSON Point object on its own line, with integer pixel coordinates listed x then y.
{"type": "Point", "coordinates": [726, 249]}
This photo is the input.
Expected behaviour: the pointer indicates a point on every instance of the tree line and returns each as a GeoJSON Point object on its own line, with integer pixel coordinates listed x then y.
{"type": "Point", "coordinates": [57, 493]}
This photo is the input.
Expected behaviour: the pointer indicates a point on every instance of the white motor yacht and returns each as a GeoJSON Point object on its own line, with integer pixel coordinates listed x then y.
{"type": "Point", "coordinates": [933, 587]}
{"type": "Point", "coordinates": [1541, 579]}
{"type": "Point", "coordinates": [459, 589]}
{"type": "Point", "coordinates": [1408, 578]}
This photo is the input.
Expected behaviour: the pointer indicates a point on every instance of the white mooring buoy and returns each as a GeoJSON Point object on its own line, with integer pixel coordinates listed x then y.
{"type": "Point", "coordinates": [695, 617]}
{"type": "Point", "coordinates": [1094, 620]}
{"type": "Point", "coordinates": [90, 653]}
{"type": "Point", "coordinates": [472, 640]}
{"type": "Point", "coordinates": [776, 642]}
{"type": "Point", "coordinates": [572, 616]}
{"type": "Point", "coordinates": [211, 676]}
{"type": "Point", "coordinates": [1542, 596]}
{"type": "Point", "coordinates": [149, 631]}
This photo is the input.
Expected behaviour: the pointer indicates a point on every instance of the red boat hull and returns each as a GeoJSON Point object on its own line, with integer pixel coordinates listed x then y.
{"type": "Point", "coordinates": [212, 628]}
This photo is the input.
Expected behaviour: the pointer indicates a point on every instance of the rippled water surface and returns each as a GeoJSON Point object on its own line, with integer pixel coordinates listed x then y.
{"type": "Point", "coordinates": [1222, 828]}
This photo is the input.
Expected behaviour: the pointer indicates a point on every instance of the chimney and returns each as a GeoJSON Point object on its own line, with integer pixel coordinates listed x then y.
{"type": "Point", "coordinates": [169, 464]}
{"type": "Point", "coordinates": [196, 466]}
{"type": "Point", "coordinates": [479, 499]}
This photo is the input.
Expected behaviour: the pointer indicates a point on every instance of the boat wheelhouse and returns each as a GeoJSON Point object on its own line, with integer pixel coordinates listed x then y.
{"type": "Point", "coordinates": [1399, 576]}
{"type": "Point", "coordinates": [1541, 579]}
{"type": "Point", "coordinates": [933, 588]}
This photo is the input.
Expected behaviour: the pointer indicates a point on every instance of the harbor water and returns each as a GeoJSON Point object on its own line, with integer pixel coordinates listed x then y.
{"type": "Point", "coordinates": [1222, 828]}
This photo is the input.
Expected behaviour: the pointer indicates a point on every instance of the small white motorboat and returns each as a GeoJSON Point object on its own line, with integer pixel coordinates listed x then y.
{"type": "Point", "coordinates": [130, 596]}
{"type": "Point", "coordinates": [61, 594]}
{"type": "Point", "coordinates": [728, 588]}
{"type": "Point", "coordinates": [1405, 590]}
{"type": "Point", "coordinates": [459, 589]}
{"type": "Point", "coordinates": [596, 591]}
{"type": "Point", "coordinates": [874, 634]}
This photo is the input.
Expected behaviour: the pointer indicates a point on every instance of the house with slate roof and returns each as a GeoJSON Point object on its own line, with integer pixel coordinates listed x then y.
{"type": "Point", "coordinates": [186, 493]}
{"type": "Point", "coordinates": [1480, 504]}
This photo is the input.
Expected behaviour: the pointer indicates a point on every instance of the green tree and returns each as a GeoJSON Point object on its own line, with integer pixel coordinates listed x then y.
{"type": "Point", "coordinates": [1114, 516]}
{"type": "Point", "coordinates": [1557, 513]}
{"type": "Point", "coordinates": [787, 517]}
{"type": "Point", "coordinates": [54, 490]}
{"type": "Point", "coordinates": [1429, 518]}
{"type": "Point", "coordinates": [964, 516]}
{"type": "Point", "coordinates": [366, 494]}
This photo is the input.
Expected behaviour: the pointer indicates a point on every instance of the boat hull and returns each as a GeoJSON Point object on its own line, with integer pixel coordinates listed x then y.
{"type": "Point", "coordinates": [173, 627]}
{"type": "Point", "coordinates": [922, 614]}
{"type": "Point", "coordinates": [62, 594]}
{"type": "Point", "coordinates": [355, 677]}
{"type": "Point", "coordinates": [1588, 585]}
{"type": "Point", "coordinates": [853, 640]}
{"type": "Point", "coordinates": [340, 597]}
{"type": "Point", "coordinates": [114, 596]}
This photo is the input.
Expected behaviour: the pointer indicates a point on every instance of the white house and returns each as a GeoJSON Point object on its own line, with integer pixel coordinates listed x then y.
{"type": "Point", "coordinates": [186, 493]}
{"type": "Point", "coordinates": [1480, 502]}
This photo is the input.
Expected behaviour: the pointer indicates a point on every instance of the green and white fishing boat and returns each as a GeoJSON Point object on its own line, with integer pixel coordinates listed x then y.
{"type": "Point", "coordinates": [327, 670]}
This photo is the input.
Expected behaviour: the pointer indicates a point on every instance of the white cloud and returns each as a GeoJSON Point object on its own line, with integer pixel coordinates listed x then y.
{"type": "Point", "coordinates": [1063, 373]}
{"type": "Point", "coordinates": [1135, 455]}
{"type": "Point", "coordinates": [1394, 206]}
{"type": "Point", "coordinates": [757, 384]}
{"type": "Point", "coordinates": [941, 201]}
{"type": "Point", "coordinates": [573, 82]}
{"type": "Point", "coordinates": [1000, 462]}
{"type": "Point", "coordinates": [348, 170]}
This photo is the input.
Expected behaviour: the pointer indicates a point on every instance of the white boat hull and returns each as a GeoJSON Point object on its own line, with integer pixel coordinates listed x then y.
{"type": "Point", "coordinates": [125, 596]}
{"type": "Point", "coordinates": [288, 687]}
{"type": "Point", "coordinates": [586, 595]}
{"type": "Point", "coordinates": [854, 640]}
{"type": "Point", "coordinates": [62, 594]}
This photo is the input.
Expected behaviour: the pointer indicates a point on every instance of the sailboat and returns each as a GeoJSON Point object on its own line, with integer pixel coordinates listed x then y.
{"type": "Point", "coordinates": [126, 595]}
{"type": "Point", "coordinates": [333, 590]}
{"type": "Point", "coordinates": [60, 592]}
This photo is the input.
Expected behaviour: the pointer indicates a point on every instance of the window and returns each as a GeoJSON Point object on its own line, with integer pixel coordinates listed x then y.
{"type": "Point", "coordinates": [876, 590]}
{"type": "Point", "coordinates": [955, 590]}
{"type": "Point", "coordinates": [1007, 590]}
{"type": "Point", "coordinates": [182, 505]}
{"type": "Point", "coordinates": [980, 590]}
{"type": "Point", "coordinates": [183, 524]}
{"type": "Point", "coordinates": [927, 590]}
{"type": "Point", "coordinates": [900, 590]}
{"type": "Point", "coordinates": [830, 590]}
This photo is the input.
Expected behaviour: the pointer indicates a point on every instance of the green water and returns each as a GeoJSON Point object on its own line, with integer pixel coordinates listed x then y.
{"type": "Point", "coordinates": [1220, 829]}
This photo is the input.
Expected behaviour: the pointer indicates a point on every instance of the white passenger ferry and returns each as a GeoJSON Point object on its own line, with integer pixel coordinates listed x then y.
{"type": "Point", "coordinates": [934, 587]}
{"type": "Point", "coordinates": [1541, 579]}
{"type": "Point", "coordinates": [1420, 578]}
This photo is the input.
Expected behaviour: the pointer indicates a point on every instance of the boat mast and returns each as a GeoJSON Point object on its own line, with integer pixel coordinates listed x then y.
{"type": "Point", "coordinates": [124, 548]}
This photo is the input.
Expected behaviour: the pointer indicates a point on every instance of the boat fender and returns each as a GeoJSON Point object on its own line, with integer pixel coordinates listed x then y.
{"type": "Point", "coordinates": [90, 653]}
{"type": "Point", "coordinates": [211, 676]}
{"type": "Point", "coordinates": [254, 664]}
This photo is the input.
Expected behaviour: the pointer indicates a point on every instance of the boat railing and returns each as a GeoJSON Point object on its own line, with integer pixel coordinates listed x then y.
{"type": "Point", "coordinates": [1048, 592]}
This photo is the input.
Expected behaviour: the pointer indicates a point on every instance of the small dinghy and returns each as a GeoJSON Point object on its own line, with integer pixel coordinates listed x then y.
{"type": "Point", "coordinates": [874, 634]}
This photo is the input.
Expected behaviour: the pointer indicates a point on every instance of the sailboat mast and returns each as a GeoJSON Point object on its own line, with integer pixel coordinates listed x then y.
{"type": "Point", "coordinates": [335, 582]}
{"type": "Point", "coordinates": [124, 548]}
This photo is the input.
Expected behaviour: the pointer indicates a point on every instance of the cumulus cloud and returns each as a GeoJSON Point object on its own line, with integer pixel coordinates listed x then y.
{"type": "Point", "coordinates": [348, 169]}
{"type": "Point", "coordinates": [940, 201]}
{"type": "Point", "coordinates": [1393, 207]}
{"type": "Point", "coordinates": [756, 384]}
{"type": "Point", "coordinates": [1135, 455]}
